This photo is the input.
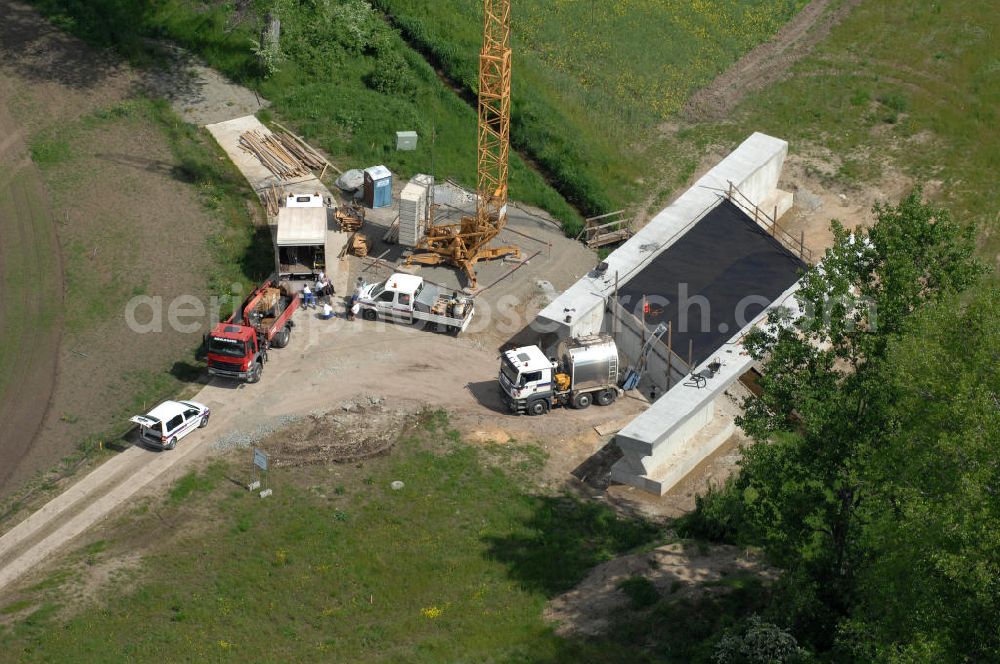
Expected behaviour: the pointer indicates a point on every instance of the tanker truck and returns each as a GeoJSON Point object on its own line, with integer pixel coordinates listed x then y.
{"type": "Point", "coordinates": [584, 371]}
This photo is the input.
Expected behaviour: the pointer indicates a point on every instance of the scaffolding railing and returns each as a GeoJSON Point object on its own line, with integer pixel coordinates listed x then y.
{"type": "Point", "coordinates": [626, 322]}
{"type": "Point", "coordinates": [797, 245]}
{"type": "Point", "coordinates": [606, 229]}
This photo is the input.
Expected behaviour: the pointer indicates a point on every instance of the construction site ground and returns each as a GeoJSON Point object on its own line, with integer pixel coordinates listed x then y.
{"type": "Point", "coordinates": [331, 368]}
{"type": "Point", "coordinates": [511, 291]}
{"type": "Point", "coordinates": [327, 365]}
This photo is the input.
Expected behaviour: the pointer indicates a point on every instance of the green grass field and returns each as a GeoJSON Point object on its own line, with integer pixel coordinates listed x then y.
{"type": "Point", "coordinates": [27, 266]}
{"type": "Point", "coordinates": [592, 81]}
{"type": "Point", "coordinates": [909, 86]}
{"type": "Point", "coordinates": [336, 566]}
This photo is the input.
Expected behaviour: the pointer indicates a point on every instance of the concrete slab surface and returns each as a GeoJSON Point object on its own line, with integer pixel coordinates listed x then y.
{"type": "Point", "coordinates": [721, 273]}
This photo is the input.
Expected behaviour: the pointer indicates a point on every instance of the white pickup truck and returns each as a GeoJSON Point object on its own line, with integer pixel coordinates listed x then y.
{"type": "Point", "coordinates": [407, 298]}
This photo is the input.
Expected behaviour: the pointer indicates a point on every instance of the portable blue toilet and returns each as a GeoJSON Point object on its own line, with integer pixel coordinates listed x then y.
{"type": "Point", "coordinates": [378, 187]}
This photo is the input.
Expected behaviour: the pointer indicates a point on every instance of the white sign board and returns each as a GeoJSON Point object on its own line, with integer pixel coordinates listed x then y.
{"type": "Point", "coordinates": [260, 459]}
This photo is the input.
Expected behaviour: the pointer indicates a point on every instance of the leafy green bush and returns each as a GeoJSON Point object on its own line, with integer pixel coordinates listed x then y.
{"type": "Point", "coordinates": [641, 591]}
{"type": "Point", "coordinates": [720, 515]}
{"type": "Point", "coordinates": [391, 76]}
{"type": "Point", "coordinates": [758, 642]}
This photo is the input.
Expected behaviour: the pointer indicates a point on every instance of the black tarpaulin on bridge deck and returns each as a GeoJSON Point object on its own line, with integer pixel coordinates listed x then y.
{"type": "Point", "coordinates": [724, 259]}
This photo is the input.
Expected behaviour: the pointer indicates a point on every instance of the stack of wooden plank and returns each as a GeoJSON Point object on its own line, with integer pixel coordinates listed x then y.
{"type": "Point", "coordinates": [272, 199]}
{"type": "Point", "coordinates": [271, 152]}
{"type": "Point", "coordinates": [305, 153]}
{"type": "Point", "coordinates": [359, 245]}
{"type": "Point", "coordinates": [392, 235]}
{"type": "Point", "coordinates": [351, 218]}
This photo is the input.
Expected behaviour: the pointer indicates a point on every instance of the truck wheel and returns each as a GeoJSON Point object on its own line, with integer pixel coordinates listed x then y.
{"type": "Point", "coordinates": [581, 401]}
{"type": "Point", "coordinates": [254, 376]}
{"type": "Point", "coordinates": [537, 408]}
{"type": "Point", "coordinates": [606, 397]}
{"type": "Point", "coordinates": [369, 314]}
{"type": "Point", "coordinates": [172, 444]}
{"type": "Point", "coordinates": [281, 339]}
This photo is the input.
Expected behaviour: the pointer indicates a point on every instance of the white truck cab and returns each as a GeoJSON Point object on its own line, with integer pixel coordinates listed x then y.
{"type": "Point", "coordinates": [526, 378]}
{"type": "Point", "coordinates": [587, 371]}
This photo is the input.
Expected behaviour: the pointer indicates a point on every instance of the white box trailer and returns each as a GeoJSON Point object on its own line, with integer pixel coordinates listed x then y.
{"type": "Point", "coordinates": [300, 241]}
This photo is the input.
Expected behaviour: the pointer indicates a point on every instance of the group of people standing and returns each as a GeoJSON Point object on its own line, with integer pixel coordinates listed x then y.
{"type": "Point", "coordinates": [323, 288]}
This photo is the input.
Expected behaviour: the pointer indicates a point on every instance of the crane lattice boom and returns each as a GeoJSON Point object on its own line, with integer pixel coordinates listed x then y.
{"type": "Point", "coordinates": [494, 114]}
{"type": "Point", "coordinates": [466, 243]}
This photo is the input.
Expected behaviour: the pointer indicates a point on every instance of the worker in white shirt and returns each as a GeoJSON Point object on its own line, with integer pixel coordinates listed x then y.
{"type": "Point", "coordinates": [323, 287]}
{"type": "Point", "coordinates": [327, 311]}
{"type": "Point", "coordinates": [308, 299]}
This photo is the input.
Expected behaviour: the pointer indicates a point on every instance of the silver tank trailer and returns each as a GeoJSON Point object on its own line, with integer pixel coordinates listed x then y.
{"type": "Point", "coordinates": [591, 362]}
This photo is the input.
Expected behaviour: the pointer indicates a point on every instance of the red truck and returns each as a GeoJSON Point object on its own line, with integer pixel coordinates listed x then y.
{"type": "Point", "coordinates": [237, 348]}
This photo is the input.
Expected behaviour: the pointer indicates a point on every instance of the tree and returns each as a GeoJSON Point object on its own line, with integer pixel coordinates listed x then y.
{"type": "Point", "coordinates": [930, 590]}
{"type": "Point", "coordinates": [758, 642]}
{"type": "Point", "coordinates": [825, 399]}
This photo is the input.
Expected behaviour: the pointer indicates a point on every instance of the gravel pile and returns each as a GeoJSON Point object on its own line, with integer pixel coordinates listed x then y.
{"type": "Point", "coordinates": [238, 440]}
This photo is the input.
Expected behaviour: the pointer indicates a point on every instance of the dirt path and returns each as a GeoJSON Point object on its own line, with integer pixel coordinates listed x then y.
{"type": "Point", "coordinates": [31, 282]}
{"type": "Point", "coordinates": [196, 92]}
{"type": "Point", "coordinates": [768, 62]}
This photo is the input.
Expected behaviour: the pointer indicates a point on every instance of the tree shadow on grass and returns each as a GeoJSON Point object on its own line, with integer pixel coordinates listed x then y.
{"type": "Point", "coordinates": [562, 539]}
{"type": "Point", "coordinates": [258, 260]}
{"type": "Point", "coordinates": [40, 53]}
{"type": "Point", "coordinates": [189, 372]}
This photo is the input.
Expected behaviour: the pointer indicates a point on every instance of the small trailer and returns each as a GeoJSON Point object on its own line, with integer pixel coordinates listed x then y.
{"type": "Point", "coordinates": [237, 347]}
{"type": "Point", "coordinates": [407, 298]}
{"type": "Point", "coordinates": [586, 371]}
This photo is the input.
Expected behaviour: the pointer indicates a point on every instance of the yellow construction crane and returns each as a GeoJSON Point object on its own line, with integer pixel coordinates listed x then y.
{"type": "Point", "coordinates": [466, 243]}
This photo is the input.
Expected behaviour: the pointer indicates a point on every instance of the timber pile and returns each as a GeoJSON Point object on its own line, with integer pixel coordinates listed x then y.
{"type": "Point", "coordinates": [308, 148]}
{"type": "Point", "coordinates": [271, 152]}
{"type": "Point", "coordinates": [272, 199]}
{"type": "Point", "coordinates": [302, 150]}
{"type": "Point", "coordinates": [351, 218]}
{"type": "Point", "coordinates": [392, 235]}
{"type": "Point", "coordinates": [359, 245]}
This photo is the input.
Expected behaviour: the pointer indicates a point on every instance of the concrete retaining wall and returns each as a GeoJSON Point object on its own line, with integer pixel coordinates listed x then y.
{"type": "Point", "coordinates": [630, 340]}
{"type": "Point", "coordinates": [667, 437]}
